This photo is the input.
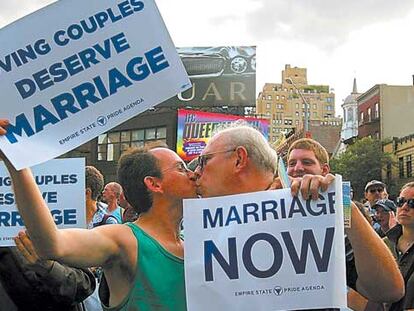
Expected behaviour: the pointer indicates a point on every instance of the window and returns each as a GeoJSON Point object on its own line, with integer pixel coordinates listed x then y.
{"type": "Point", "coordinates": [277, 97]}
{"type": "Point", "coordinates": [376, 112]}
{"type": "Point", "coordinates": [361, 118]}
{"type": "Point", "coordinates": [296, 122]}
{"type": "Point", "coordinates": [329, 100]}
{"type": "Point", "coordinates": [401, 167]}
{"type": "Point", "coordinates": [283, 97]}
{"type": "Point", "coordinates": [268, 106]}
{"type": "Point", "coordinates": [409, 166]}
{"type": "Point", "coordinates": [297, 105]}
{"type": "Point", "coordinates": [314, 106]}
{"type": "Point", "coordinates": [369, 114]}
{"type": "Point", "coordinates": [389, 173]}
{"type": "Point", "coordinates": [269, 97]}
{"type": "Point", "coordinates": [297, 114]}
{"type": "Point", "coordinates": [112, 144]}
{"type": "Point", "coordinates": [350, 115]}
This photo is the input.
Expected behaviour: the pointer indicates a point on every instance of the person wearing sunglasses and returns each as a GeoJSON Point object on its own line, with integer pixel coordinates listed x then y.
{"type": "Point", "coordinates": [239, 160]}
{"type": "Point", "coordinates": [367, 258]}
{"type": "Point", "coordinates": [400, 240]}
{"type": "Point", "coordinates": [143, 260]}
{"type": "Point", "coordinates": [383, 209]}
{"type": "Point", "coordinates": [375, 190]}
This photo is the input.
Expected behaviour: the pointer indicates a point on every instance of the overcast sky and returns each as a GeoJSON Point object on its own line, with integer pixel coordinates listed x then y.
{"type": "Point", "coordinates": [335, 40]}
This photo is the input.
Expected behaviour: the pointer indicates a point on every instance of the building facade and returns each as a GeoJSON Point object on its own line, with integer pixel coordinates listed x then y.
{"type": "Point", "coordinates": [350, 115]}
{"type": "Point", "coordinates": [282, 104]}
{"type": "Point", "coordinates": [385, 111]}
{"type": "Point", "coordinates": [402, 150]}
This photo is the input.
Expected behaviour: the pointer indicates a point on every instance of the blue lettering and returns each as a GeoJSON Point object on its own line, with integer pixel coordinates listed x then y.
{"type": "Point", "coordinates": [42, 117]}
{"type": "Point", "coordinates": [156, 59]}
{"type": "Point", "coordinates": [25, 87]}
{"type": "Point", "coordinates": [253, 212]}
{"type": "Point", "coordinates": [308, 240]}
{"type": "Point", "coordinates": [117, 80]}
{"type": "Point", "coordinates": [296, 202]}
{"type": "Point", "coordinates": [230, 267]}
{"type": "Point", "coordinates": [233, 216]}
{"type": "Point", "coordinates": [207, 218]}
{"type": "Point", "coordinates": [272, 209]}
{"type": "Point", "coordinates": [22, 124]}
{"type": "Point", "coordinates": [143, 70]}
{"type": "Point", "coordinates": [277, 255]}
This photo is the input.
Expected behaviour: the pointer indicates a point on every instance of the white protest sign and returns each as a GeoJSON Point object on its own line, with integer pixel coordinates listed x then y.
{"type": "Point", "coordinates": [265, 251]}
{"type": "Point", "coordinates": [83, 68]}
{"type": "Point", "coordinates": [62, 183]}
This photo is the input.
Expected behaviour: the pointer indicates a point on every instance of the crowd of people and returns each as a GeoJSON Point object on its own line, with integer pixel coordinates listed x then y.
{"type": "Point", "coordinates": [135, 240]}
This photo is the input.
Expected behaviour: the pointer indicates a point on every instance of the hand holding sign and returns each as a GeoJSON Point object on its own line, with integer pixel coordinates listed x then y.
{"type": "Point", "coordinates": [26, 248]}
{"type": "Point", "coordinates": [310, 185]}
{"type": "Point", "coordinates": [3, 125]}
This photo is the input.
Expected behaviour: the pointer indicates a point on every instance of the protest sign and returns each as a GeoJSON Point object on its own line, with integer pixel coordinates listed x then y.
{"type": "Point", "coordinates": [83, 68]}
{"type": "Point", "coordinates": [265, 251]}
{"type": "Point", "coordinates": [62, 184]}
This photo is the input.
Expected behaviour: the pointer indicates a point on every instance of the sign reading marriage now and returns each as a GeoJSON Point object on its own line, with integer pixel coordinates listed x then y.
{"type": "Point", "coordinates": [265, 251]}
{"type": "Point", "coordinates": [83, 68]}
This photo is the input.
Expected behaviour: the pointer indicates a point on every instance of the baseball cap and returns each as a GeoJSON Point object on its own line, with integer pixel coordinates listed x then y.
{"type": "Point", "coordinates": [386, 204]}
{"type": "Point", "coordinates": [374, 183]}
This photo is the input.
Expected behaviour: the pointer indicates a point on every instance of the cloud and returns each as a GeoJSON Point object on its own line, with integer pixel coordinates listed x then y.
{"type": "Point", "coordinates": [12, 10]}
{"type": "Point", "coordinates": [323, 23]}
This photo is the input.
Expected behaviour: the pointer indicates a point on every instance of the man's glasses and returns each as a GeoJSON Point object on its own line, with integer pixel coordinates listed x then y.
{"type": "Point", "coordinates": [179, 166]}
{"type": "Point", "coordinates": [202, 160]}
{"type": "Point", "coordinates": [379, 190]}
{"type": "Point", "coordinates": [401, 201]}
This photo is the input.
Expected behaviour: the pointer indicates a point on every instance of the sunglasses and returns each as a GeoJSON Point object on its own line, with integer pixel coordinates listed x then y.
{"type": "Point", "coordinates": [401, 201]}
{"type": "Point", "coordinates": [373, 190]}
{"type": "Point", "coordinates": [202, 159]}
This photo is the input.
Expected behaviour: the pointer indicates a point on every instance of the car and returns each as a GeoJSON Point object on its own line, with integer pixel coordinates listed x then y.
{"type": "Point", "coordinates": [207, 62]}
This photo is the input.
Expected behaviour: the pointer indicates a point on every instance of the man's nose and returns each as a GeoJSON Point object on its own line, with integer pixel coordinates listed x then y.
{"type": "Point", "coordinates": [299, 166]}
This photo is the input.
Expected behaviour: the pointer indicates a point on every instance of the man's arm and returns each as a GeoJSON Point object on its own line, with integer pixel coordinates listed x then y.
{"type": "Point", "coordinates": [379, 278]}
{"type": "Point", "coordinates": [75, 247]}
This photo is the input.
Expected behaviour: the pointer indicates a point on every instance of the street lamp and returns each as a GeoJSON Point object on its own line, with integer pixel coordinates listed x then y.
{"type": "Point", "coordinates": [306, 121]}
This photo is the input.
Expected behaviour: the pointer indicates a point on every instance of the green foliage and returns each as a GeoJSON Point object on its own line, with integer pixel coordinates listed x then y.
{"type": "Point", "coordinates": [317, 88]}
{"type": "Point", "coordinates": [360, 163]}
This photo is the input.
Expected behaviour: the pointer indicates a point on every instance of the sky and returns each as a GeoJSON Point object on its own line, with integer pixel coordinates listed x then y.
{"type": "Point", "coordinates": [335, 40]}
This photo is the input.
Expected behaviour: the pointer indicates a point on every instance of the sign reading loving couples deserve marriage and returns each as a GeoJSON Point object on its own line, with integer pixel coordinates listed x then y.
{"type": "Point", "coordinates": [265, 251]}
{"type": "Point", "coordinates": [83, 68]}
{"type": "Point", "coordinates": [59, 181]}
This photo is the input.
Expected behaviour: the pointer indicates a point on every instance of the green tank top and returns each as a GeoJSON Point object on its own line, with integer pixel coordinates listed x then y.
{"type": "Point", "coordinates": [159, 279]}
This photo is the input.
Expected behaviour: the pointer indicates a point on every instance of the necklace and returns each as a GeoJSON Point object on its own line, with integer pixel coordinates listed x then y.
{"type": "Point", "coordinates": [404, 245]}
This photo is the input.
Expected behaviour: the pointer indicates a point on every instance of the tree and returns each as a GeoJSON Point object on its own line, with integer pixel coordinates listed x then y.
{"type": "Point", "coordinates": [360, 163]}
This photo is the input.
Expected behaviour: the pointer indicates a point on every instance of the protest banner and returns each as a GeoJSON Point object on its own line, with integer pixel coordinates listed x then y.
{"type": "Point", "coordinates": [83, 68]}
{"type": "Point", "coordinates": [195, 128]}
{"type": "Point", "coordinates": [62, 184]}
{"type": "Point", "coordinates": [265, 251]}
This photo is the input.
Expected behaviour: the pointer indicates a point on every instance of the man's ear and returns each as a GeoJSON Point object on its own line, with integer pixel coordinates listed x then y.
{"type": "Point", "coordinates": [242, 157]}
{"type": "Point", "coordinates": [88, 193]}
{"type": "Point", "coordinates": [153, 184]}
{"type": "Point", "coordinates": [325, 169]}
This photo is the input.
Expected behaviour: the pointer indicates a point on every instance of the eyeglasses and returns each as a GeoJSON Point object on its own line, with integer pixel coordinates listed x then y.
{"type": "Point", "coordinates": [202, 160]}
{"type": "Point", "coordinates": [179, 166]}
{"type": "Point", "coordinates": [373, 190]}
{"type": "Point", "coordinates": [401, 201]}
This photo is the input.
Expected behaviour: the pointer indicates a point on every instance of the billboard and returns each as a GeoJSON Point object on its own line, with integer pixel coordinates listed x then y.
{"type": "Point", "coordinates": [194, 129]}
{"type": "Point", "coordinates": [221, 76]}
